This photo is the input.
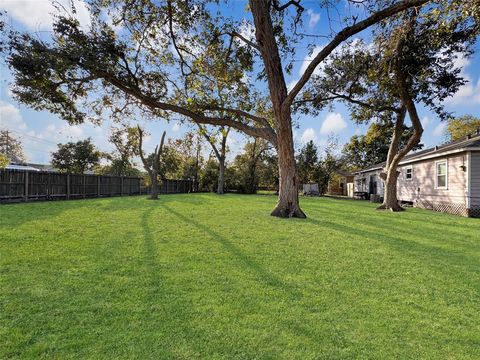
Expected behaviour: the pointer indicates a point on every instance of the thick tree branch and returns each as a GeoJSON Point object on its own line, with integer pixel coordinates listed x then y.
{"type": "Point", "coordinates": [266, 133]}
{"type": "Point", "coordinates": [351, 99]}
{"type": "Point", "coordinates": [344, 35]}
{"type": "Point", "coordinates": [296, 3]}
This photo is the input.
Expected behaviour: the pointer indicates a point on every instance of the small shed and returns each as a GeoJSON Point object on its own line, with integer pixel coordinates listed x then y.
{"type": "Point", "coordinates": [341, 183]}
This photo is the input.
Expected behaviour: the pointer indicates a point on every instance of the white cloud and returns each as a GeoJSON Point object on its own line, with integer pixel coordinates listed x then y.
{"type": "Point", "coordinates": [355, 42]}
{"type": "Point", "coordinates": [37, 14]}
{"type": "Point", "coordinates": [461, 61]}
{"type": "Point", "coordinates": [426, 121]}
{"type": "Point", "coordinates": [176, 127]}
{"type": "Point", "coordinates": [10, 117]}
{"type": "Point", "coordinates": [313, 18]}
{"type": "Point", "coordinates": [308, 135]}
{"type": "Point", "coordinates": [333, 124]}
{"type": "Point", "coordinates": [308, 58]}
{"type": "Point", "coordinates": [440, 129]}
{"type": "Point", "coordinates": [468, 94]}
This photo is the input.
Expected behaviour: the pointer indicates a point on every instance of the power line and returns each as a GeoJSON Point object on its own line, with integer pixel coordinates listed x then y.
{"type": "Point", "coordinates": [32, 137]}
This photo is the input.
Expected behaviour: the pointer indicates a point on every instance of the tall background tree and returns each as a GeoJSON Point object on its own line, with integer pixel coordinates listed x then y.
{"type": "Point", "coordinates": [218, 143]}
{"type": "Point", "coordinates": [247, 166]}
{"type": "Point", "coordinates": [372, 148]}
{"type": "Point", "coordinates": [152, 165]}
{"type": "Point", "coordinates": [11, 147]}
{"type": "Point", "coordinates": [121, 160]}
{"type": "Point", "coordinates": [307, 162]}
{"type": "Point", "coordinates": [152, 67]}
{"type": "Point", "coordinates": [462, 126]}
{"type": "Point", "coordinates": [76, 157]}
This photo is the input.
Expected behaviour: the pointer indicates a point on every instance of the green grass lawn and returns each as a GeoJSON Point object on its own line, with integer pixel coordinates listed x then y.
{"type": "Point", "coordinates": [204, 276]}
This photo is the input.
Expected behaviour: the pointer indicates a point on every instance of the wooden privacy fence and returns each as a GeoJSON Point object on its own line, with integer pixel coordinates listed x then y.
{"type": "Point", "coordinates": [19, 185]}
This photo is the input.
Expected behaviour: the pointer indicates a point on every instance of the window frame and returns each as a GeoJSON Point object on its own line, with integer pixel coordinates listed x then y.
{"type": "Point", "coordinates": [410, 167]}
{"type": "Point", "coordinates": [438, 162]}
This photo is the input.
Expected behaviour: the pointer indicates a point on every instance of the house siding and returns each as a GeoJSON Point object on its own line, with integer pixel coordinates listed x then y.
{"type": "Point", "coordinates": [422, 191]}
{"type": "Point", "coordinates": [475, 180]}
{"type": "Point", "coordinates": [365, 187]}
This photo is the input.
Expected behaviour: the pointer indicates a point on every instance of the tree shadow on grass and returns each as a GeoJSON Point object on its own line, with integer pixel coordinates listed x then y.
{"type": "Point", "coordinates": [433, 256]}
{"type": "Point", "coordinates": [363, 205]}
{"type": "Point", "coordinates": [285, 292]}
{"type": "Point", "coordinates": [266, 277]}
{"type": "Point", "coordinates": [179, 310]}
{"type": "Point", "coordinates": [165, 311]}
{"type": "Point", "coordinates": [412, 227]}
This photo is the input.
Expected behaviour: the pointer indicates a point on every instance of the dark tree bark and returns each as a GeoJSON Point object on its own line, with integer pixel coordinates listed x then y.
{"type": "Point", "coordinates": [288, 204]}
{"type": "Point", "coordinates": [152, 169]}
{"type": "Point", "coordinates": [221, 177]}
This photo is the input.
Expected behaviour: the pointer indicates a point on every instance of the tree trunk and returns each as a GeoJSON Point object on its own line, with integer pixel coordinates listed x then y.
{"type": "Point", "coordinates": [396, 153]}
{"type": "Point", "coordinates": [390, 174]}
{"type": "Point", "coordinates": [221, 177]}
{"type": "Point", "coordinates": [154, 187]}
{"type": "Point", "coordinates": [288, 204]}
{"type": "Point", "coordinates": [390, 200]}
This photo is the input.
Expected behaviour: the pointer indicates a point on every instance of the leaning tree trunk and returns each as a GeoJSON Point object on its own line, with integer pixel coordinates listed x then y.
{"type": "Point", "coordinates": [288, 204]}
{"type": "Point", "coordinates": [221, 177]}
{"type": "Point", "coordinates": [396, 153]}
{"type": "Point", "coordinates": [390, 200]}
{"type": "Point", "coordinates": [390, 174]}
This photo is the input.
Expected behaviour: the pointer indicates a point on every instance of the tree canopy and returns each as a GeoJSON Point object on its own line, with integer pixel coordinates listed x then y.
{"type": "Point", "coordinates": [11, 147]}
{"type": "Point", "coordinates": [76, 157]}
{"type": "Point", "coordinates": [172, 57]}
{"type": "Point", "coordinates": [372, 148]}
{"type": "Point", "coordinates": [462, 126]}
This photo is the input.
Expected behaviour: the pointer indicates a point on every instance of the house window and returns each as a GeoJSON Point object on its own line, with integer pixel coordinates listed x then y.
{"type": "Point", "coordinates": [441, 174]}
{"type": "Point", "coordinates": [409, 173]}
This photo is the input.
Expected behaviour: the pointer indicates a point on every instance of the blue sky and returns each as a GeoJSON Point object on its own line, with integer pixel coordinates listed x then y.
{"type": "Point", "coordinates": [41, 131]}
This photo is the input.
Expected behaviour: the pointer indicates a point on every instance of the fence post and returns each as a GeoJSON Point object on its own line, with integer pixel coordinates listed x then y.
{"type": "Point", "coordinates": [26, 186]}
{"type": "Point", "coordinates": [98, 186]}
{"type": "Point", "coordinates": [49, 181]}
{"type": "Point", "coordinates": [68, 186]}
{"type": "Point", "coordinates": [121, 186]}
{"type": "Point", "coordinates": [84, 186]}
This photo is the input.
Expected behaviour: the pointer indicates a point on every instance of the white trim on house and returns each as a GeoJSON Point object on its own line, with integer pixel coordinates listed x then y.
{"type": "Point", "coordinates": [445, 161]}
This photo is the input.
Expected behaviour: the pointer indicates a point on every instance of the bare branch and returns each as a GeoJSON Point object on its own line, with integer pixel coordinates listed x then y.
{"type": "Point", "coordinates": [140, 151]}
{"type": "Point", "coordinates": [244, 39]}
